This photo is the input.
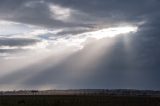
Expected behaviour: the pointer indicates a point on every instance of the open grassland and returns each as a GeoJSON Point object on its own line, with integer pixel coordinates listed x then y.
{"type": "Point", "coordinates": [77, 100]}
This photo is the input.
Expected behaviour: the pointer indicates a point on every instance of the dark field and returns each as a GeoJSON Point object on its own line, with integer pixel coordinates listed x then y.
{"type": "Point", "coordinates": [78, 100]}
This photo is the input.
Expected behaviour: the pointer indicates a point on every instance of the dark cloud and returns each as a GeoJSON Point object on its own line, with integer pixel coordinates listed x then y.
{"type": "Point", "coordinates": [13, 46]}
{"type": "Point", "coordinates": [17, 42]}
{"type": "Point", "coordinates": [97, 12]}
{"type": "Point", "coordinates": [104, 8]}
{"type": "Point", "coordinates": [32, 12]}
{"type": "Point", "coordinates": [11, 51]}
{"type": "Point", "coordinates": [73, 31]}
{"type": "Point", "coordinates": [114, 11]}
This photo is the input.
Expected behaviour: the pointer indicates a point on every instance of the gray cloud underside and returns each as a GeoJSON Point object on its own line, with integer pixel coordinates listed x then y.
{"type": "Point", "coordinates": [110, 12]}
{"type": "Point", "coordinates": [12, 51]}
{"type": "Point", "coordinates": [39, 14]}
{"type": "Point", "coordinates": [17, 42]}
{"type": "Point", "coordinates": [12, 46]}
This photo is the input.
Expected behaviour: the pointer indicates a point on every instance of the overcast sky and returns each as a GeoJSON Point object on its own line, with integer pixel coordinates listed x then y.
{"type": "Point", "coordinates": [79, 44]}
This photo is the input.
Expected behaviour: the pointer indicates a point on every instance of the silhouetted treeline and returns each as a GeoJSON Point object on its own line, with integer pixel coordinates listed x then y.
{"type": "Point", "coordinates": [118, 92]}
{"type": "Point", "coordinates": [77, 100]}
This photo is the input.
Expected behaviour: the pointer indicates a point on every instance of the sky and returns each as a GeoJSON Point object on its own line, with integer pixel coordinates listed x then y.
{"type": "Point", "coordinates": [79, 44]}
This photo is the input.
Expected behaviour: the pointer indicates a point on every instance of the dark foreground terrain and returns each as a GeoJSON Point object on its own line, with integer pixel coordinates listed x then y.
{"type": "Point", "coordinates": [78, 100]}
{"type": "Point", "coordinates": [82, 97]}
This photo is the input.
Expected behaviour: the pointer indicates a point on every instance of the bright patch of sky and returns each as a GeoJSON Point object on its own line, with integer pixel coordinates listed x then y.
{"type": "Point", "coordinates": [11, 28]}
{"type": "Point", "coordinates": [50, 40]}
